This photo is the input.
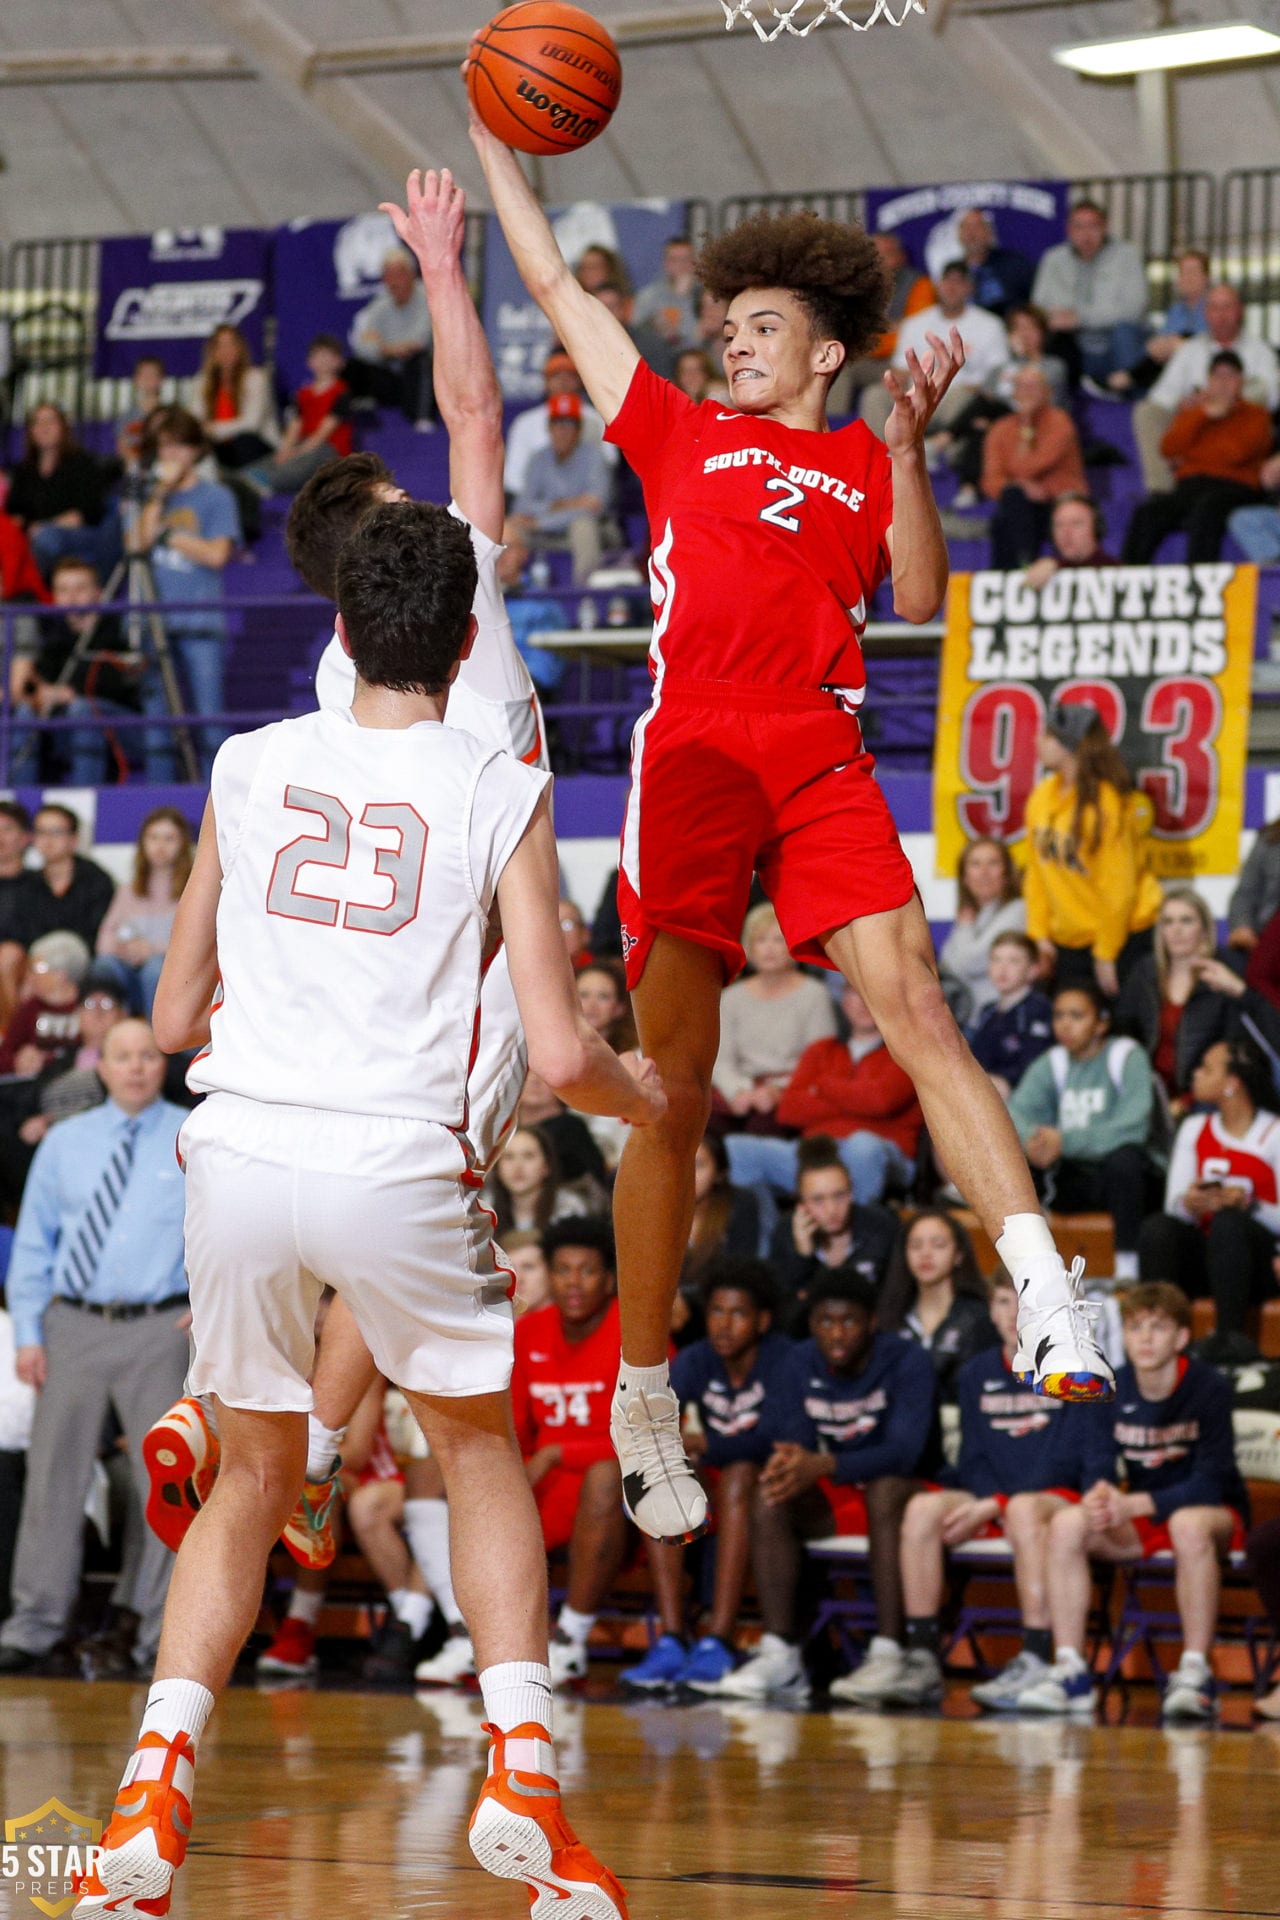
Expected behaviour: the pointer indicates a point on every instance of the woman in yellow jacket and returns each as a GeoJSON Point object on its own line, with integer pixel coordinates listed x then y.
{"type": "Point", "coordinates": [1091, 896]}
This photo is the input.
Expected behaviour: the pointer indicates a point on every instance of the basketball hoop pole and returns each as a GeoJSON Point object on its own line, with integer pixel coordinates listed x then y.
{"type": "Point", "coordinates": [800, 17]}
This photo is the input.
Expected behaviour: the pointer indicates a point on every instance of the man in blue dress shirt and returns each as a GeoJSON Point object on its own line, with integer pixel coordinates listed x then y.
{"type": "Point", "coordinates": [97, 1292]}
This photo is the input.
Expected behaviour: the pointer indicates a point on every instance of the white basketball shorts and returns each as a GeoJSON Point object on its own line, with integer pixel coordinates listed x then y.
{"type": "Point", "coordinates": [284, 1201]}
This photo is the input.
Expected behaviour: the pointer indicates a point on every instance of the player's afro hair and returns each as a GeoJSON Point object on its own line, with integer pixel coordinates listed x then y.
{"type": "Point", "coordinates": [590, 1231]}
{"type": "Point", "coordinates": [833, 270]}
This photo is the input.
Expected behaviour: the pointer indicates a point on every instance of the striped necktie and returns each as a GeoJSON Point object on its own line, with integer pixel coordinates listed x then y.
{"type": "Point", "coordinates": [85, 1242]}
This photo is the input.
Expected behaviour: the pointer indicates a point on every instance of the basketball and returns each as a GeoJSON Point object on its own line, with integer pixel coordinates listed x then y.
{"type": "Point", "coordinates": [544, 77]}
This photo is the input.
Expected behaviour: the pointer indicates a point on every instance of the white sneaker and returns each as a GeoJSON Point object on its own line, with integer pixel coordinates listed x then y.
{"type": "Point", "coordinates": [1192, 1694]}
{"type": "Point", "coordinates": [660, 1490]}
{"type": "Point", "coordinates": [1058, 1353]}
{"type": "Point", "coordinates": [775, 1673]}
{"type": "Point", "coordinates": [1001, 1693]}
{"type": "Point", "coordinates": [879, 1673]}
{"type": "Point", "coordinates": [455, 1661]}
{"type": "Point", "coordinates": [1067, 1687]}
{"type": "Point", "coordinates": [567, 1659]}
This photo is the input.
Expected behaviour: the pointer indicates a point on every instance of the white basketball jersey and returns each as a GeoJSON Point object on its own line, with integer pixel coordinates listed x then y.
{"type": "Point", "coordinates": [494, 699]}
{"type": "Point", "coordinates": [359, 869]}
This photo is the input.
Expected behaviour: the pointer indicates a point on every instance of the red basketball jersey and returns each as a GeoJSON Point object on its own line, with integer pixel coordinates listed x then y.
{"type": "Point", "coordinates": [1206, 1154]}
{"type": "Point", "coordinates": [1250, 1162]}
{"type": "Point", "coordinates": [768, 540]}
{"type": "Point", "coordinates": [561, 1389]}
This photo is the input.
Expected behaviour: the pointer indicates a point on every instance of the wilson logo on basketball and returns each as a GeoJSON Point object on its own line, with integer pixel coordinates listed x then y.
{"type": "Point", "coordinates": [582, 126]}
{"type": "Point", "coordinates": [611, 82]}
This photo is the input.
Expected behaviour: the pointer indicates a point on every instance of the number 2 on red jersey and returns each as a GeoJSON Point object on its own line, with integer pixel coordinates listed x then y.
{"type": "Point", "coordinates": [401, 864]}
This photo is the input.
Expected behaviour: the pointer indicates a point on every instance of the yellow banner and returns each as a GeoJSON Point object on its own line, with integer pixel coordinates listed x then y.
{"type": "Point", "coordinates": [1163, 653]}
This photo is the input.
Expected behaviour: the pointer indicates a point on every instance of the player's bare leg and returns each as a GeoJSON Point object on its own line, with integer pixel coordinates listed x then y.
{"type": "Point", "coordinates": [213, 1601]}
{"type": "Point", "coordinates": [518, 1830]}
{"type": "Point", "coordinates": [888, 957]}
{"type": "Point", "coordinates": [677, 1008]}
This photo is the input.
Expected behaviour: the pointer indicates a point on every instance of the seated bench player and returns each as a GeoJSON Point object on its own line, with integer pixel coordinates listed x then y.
{"type": "Point", "coordinates": [565, 1367]}
{"type": "Point", "coordinates": [1170, 1425]}
{"type": "Point", "coordinates": [730, 1377]}
{"type": "Point", "coordinates": [1019, 1463]}
{"type": "Point", "coordinates": [847, 1443]}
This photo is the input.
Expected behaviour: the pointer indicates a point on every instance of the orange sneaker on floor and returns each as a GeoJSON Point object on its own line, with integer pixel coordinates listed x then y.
{"type": "Point", "coordinates": [519, 1832]}
{"type": "Point", "coordinates": [308, 1532]}
{"type": "Point", "coordinates": [181, 1454]}
{"type": "Point", "coordinates": [146, 1839]}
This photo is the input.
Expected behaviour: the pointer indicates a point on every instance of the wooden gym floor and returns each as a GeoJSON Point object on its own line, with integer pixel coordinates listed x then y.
{"type": "Point", "coordinates": [341, 1804]}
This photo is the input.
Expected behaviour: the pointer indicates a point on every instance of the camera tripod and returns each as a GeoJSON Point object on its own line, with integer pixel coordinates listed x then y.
{"type": "Point", "coordinates": [135, 574]}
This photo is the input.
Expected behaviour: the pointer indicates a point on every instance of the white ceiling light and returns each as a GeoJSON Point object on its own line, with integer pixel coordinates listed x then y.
{"type": "Point", "coordinates": [1173, 47]}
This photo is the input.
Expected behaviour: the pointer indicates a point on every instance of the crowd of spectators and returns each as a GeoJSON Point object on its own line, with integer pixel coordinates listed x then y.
{"type": "Point", "coordinates": [832, 1301]}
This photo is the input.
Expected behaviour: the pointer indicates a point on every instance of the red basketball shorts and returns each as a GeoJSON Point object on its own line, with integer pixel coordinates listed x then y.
{"type": "Point", "coordinates": [848, 1507]}
{"type": "Point", "coordinates": [727, 781]}
{"type": "Point", "coordinates": [1156, 1538]}
{"type": "Point", "coordinates": [557, 1495]}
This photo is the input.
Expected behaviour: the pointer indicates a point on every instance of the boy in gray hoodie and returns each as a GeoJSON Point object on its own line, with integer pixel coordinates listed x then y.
{"type": "Point", "coordinates": [1083, 1114]}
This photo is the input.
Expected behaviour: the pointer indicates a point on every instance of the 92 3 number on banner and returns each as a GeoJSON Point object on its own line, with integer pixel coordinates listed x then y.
{"type": "Point", "coordinates": [998, 751]}
{"type": "Point", "coordinates": [400, 863]}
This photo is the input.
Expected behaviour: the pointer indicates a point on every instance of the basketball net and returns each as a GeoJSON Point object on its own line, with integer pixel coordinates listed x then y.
{"type": "Point", "coordinates": [800, 17]}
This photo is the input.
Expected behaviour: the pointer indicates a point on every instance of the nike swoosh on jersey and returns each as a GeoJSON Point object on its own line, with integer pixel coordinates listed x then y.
{"type": "Point", "coordinates": [532, 1793]}
{"type": "Point", "coordinates": [728, 416]}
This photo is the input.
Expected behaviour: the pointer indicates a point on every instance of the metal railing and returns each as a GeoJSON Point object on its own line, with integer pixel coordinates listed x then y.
{"type": "Point", "coordinates": [49, 288]}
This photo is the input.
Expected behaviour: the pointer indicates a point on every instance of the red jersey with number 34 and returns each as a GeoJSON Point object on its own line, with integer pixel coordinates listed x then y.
{"type": "Point", "coordinates": [768, 541]}
{"type": "Point", "coordinates": [562, 1389]}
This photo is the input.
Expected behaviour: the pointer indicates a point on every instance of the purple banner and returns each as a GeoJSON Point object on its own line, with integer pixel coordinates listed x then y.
{"type": "Point", "coordinates": [1028, 216]}
{"type": "Point", "coordinates": [519, 335]}
{"type": "Point", "coordinates": [164, 293]}
{"type": "Point", "coordinates": [325, 271]}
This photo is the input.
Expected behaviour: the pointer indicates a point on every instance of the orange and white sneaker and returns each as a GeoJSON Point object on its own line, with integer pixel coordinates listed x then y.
{"type": "Point", "coordinates": [181, 1454]}
{"type": "Point", "coordinates": [308, 1532]}
{"type": "Point", "coordinates": [519, 1832]}
{"type": "Point", "coordinates": [146, 1839]}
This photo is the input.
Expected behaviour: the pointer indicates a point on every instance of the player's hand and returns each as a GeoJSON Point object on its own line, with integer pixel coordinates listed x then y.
{"type": "Point", "coordinates": [1104, 972]}
{"type": "Point", "coordinates": [791, 1471]}
{"type": "Point", "coordinates": [915, 405]}
{"type": "Point", "coordinates": [432, 221]}
{"type": "Point", "coordinates": [482, 139]}
{"type": "Point", "coordinates": [31, 1366]}
{"type": "Point", "coordinates": [539, 1464]}
{"type": "Point", "coordinates": [962, 1523]}
{"type": "Point", "coordinates": [653, 1101]}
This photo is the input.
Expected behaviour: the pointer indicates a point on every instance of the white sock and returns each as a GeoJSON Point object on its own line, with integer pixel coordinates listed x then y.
{"type": "Point", "coordinates": [209, 1407]}
{"type": "Point", "coordinates": [642, 1380]}
{"type": "Point", "coordinates": [177, 1706]}
{"type": "Point", "coordinates": [516, 1694]}
{"type": "Point", "coordinates": [1025, 1237]}
{"type": "Point", "coordinates": [774, 1643]}
{"type": "Point", "coordinates": [575, 1626]}
{"type": "Point", "coordinates": [1126, 1266]}
{"type": "Point", "coordinates": [324, 1444]}
{"type": "Point", "coordinates": [306, 1606]}
{"type": "Point", "coordinates": [882, 1644]}
{"type": "Point", "coordinates": [1193, 1664]}
{"type": "Point", "coordinates": [413, 1610]}
{"type": "Point", "coordinates": [426, 1525]}
{"type": "Point", "coordinates": [1069, 1657]}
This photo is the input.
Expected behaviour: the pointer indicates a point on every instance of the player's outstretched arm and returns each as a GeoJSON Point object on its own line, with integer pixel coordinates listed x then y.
{"type": "Point", "coordinates": [432, 224]}
{"type": "Point", "coordinates": [917, 545]}
{"type": "Point", "coordinates": [568, 1054]}
{"type": "Point", "coordinates": [598, 344]}
{"type": "Point", "coordinates": [189, 977]}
